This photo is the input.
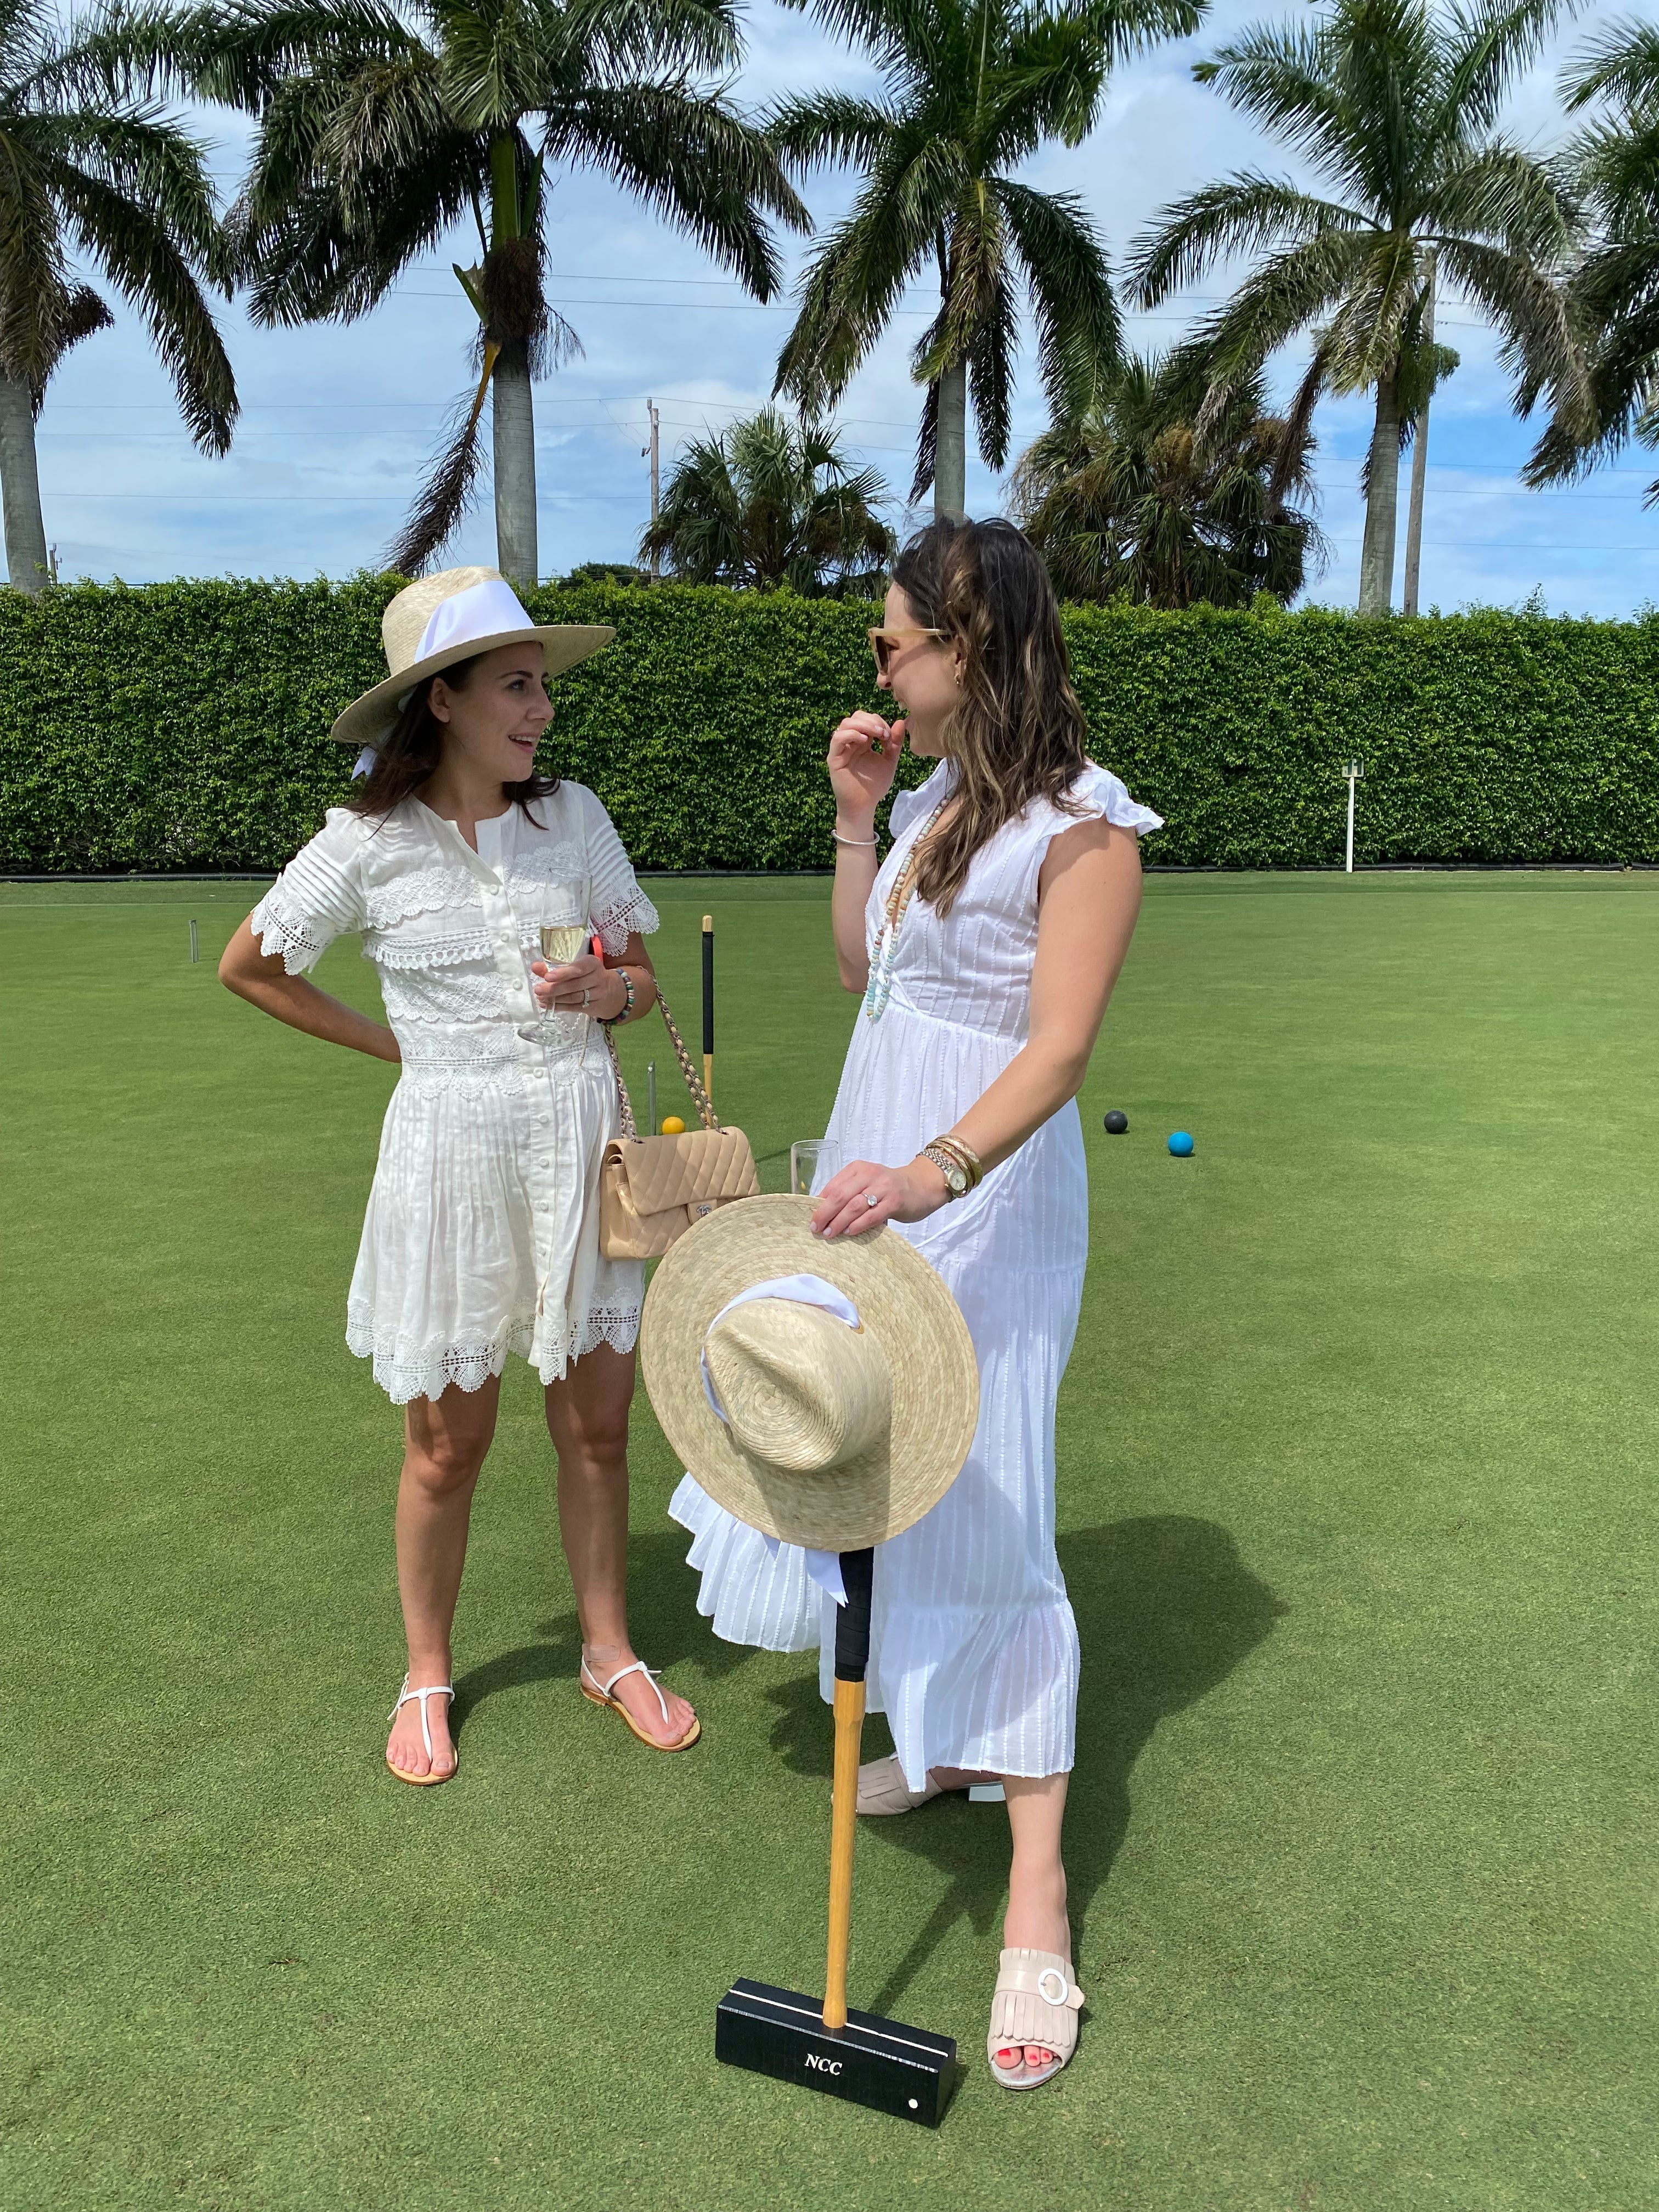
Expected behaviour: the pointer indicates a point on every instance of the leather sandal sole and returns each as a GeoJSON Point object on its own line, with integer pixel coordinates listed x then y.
{"type": "Point", "coordinates": [615, 1706]}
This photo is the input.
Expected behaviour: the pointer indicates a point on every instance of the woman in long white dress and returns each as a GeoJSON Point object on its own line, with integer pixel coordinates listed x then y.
{"type": "Point", "coordinates": [482, 1233]}
{"type": "Point", "coordinates": [987, 945]}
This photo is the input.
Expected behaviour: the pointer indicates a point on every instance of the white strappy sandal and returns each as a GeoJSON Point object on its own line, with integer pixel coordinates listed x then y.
{"type": "Point", "coordinates": [600, 1694]}
{"type": "Point", "coordinates": [408, 1696]}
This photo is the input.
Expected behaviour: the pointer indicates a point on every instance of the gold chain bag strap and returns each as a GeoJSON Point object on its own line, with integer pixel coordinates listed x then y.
{"type": "Point", "coordinates": [653, 1189]}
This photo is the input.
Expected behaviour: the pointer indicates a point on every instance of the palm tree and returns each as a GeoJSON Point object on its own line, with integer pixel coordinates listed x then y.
{"type": "Point", "coordinates": [380, 127]}
{"type": "Point", "coordinates": [1131, 499]}
{"type": "Point", "coordinates": [971, 89]}
{"type": "Point", "coordinates": [1614, 164]}
{"type": "Point", "coordinates": [1396, 104]}
{"type": "Point", "coordinates": [770, 502]}
{"type": "Point", "coordinates": [111, 180]}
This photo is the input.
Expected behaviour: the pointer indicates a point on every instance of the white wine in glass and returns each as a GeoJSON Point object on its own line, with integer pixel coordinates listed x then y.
{"type": "Point", "coordinates": [561, 942]}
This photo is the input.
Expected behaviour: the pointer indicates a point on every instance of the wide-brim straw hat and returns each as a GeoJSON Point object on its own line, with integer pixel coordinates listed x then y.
{"type": "Point", "coordinates": [442, 619]}
{"type": "Point", "coordinates": [834, 1435]}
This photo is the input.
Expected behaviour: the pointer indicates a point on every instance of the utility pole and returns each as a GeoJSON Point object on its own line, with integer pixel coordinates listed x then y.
{"type": "Point", "coordinates": [1420, 467]}
{"type": "Point", "coordinates": [655, 451]}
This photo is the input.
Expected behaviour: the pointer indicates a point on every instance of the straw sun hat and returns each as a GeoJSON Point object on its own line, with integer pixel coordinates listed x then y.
{"type": "Point", "coordinates": [432, 624]}
{"type": "Point", "coordinates": [825, 1394]}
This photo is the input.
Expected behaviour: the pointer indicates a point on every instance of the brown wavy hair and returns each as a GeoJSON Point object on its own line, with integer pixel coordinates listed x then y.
{"type": "Point", "coordinates": [1018, 731]}
{"type": "Point", "coordinates": [407, 754]}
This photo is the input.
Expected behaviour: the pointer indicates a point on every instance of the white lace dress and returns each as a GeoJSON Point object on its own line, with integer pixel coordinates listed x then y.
{"type": "Point", "coordinates": [974, 1651]}
{"type": "Point", "coordinates": [482, 1233]}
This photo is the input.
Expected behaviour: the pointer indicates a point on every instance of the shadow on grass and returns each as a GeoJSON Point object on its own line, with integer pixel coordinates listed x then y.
{"type": "Point", "coordinates": [1165, 1610]}
{"type": "Point", "coordinates": [663, 1622]}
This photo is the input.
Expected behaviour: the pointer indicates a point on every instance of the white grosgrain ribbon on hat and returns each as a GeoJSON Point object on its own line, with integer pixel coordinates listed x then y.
{"type": "Point", "coordinates": [481, 611]}
{"type": "Point", "coordinates": [823, 1567]}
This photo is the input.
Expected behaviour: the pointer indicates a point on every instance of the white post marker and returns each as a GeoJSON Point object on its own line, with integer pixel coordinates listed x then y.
{"type": "Point", "coordinates": [1351, 771]}
{"type": "Point", "coordinates": [195, 946]}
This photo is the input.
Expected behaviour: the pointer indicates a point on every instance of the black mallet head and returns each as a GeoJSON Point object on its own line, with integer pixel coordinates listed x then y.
{"type": "Point", "coordinates": [825, 2045]}
{"type": "Point", "coordinates": [878, 2062]}
{"type": "Point", "coordinates": [1116, 1123]}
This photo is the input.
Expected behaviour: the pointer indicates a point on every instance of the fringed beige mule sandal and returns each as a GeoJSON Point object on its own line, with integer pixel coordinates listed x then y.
{"type": "Point", "coordinates": [408, 1696]}
{"type": "Point", "coordinates": [600, 1694]}
{"type": "Point", "coordinates": [882, 1787]}
{"type": "Point", "coordinates": [1037, 2001]}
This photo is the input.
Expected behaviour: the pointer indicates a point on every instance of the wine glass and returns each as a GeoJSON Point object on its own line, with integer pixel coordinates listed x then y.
{"type": "Point", "coordinates": [812, 1161]}
{"type": "Point", "coordinates": [561, 941]}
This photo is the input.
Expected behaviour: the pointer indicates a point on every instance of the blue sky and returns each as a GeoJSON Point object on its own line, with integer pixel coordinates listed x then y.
{"type": "Point", "coordinates": [338, 422]}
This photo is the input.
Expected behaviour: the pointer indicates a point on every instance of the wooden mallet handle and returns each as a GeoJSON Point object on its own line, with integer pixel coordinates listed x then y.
{"type": "Point", "coordinates": [852, 1659]}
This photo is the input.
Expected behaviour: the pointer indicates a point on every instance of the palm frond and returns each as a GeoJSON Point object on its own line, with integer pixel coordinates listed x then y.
{"type": "Point", "coordinates": [445, 490]}
{"type": "Point", "coordinates": [1243, 215]}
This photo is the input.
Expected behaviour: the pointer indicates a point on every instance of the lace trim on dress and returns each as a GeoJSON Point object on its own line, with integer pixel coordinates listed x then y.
{"type": "Point", "coordinates": [404, 1370]}
{"type": "Point", "coordinates": [422, 891]}
{"type": "Point", "coordinates": [460, 998]}
{"type": "Point", "coordinates": [428, 951]}
{"type": "Point", "coordinates": [548, 864]}
{"type": "Point", "coordinates": [281, 931]}
{"type": "Point", "coordinates": [618, 923]}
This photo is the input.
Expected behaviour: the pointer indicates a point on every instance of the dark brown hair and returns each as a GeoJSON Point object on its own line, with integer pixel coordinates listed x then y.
{"type": "Point", "coordinates": [407, 755]}
{"type": "Point", "coordinates": [1018, 731]}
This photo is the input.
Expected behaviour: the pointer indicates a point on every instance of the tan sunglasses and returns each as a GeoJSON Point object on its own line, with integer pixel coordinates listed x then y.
{"type": "Point", "coordinates": [882, 643]}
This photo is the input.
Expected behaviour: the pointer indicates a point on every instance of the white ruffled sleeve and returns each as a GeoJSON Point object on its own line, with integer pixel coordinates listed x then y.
{"type": "Point", "coordinates": [318, 898]}
{"type": "Point", "coordinates": [1100, 795]}
{"type": "Point", "coordinates": [616, 902]}
{"type": "Point", "coordinates": [909, 806]}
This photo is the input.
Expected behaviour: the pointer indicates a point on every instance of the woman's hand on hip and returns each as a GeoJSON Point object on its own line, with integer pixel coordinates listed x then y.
{"type": "Point", "coordinates": [580, 986]}
{"type": "Point", "coordinates": [862, 1197]}
{"type": "Point", "coordinates": [863, 759]}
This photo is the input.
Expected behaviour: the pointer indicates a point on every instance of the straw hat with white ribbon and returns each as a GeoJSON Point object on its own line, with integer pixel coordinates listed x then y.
{"type": "Point", "coordinates": [432, 624]}
{"type": "Point", "coordinates": [825, 1394]}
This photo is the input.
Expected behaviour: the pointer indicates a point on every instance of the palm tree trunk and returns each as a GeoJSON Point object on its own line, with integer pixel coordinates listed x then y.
{"type": "Point", "coordinates": [514, 425]}
{"type": "Point", "coordinates": [951, 444]}
{"type": "Point", "coordinates": [20, 489]}
{"type": "Point", "coordinates": [1381, 504]}
{"type": "Point", "coordinates": [1420, 470]}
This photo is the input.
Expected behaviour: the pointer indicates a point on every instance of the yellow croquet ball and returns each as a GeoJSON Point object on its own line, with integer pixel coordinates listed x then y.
{"type": "Point", "coordinates": [673, 1127]}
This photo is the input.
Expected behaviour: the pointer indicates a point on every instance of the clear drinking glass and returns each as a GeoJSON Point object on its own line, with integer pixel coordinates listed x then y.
{"type": "Point", "coordinates": [812, 1161]}
{"type": "Point", "coordinates": [561, 941]}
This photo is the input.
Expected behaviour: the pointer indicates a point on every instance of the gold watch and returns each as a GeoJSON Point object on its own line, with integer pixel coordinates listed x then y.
{"type": "Point", "coordinates": [955, 1176]}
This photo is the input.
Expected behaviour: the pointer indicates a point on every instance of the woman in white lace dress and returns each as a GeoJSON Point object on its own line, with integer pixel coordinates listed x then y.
{"type": "Point", "coordinates": [987, 946]}
{"type": "Point", "coordinates": [482, 1233]}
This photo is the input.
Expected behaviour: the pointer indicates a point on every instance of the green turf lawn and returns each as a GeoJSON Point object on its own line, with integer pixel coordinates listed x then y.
{"type": "Point", "coordinates": [1357, 1457]}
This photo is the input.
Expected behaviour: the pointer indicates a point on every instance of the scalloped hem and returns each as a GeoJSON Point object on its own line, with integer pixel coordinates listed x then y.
{"type": "Point", "coordinates": [405, 1372]}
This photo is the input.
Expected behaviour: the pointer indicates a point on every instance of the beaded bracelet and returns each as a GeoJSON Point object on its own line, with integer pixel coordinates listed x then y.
{"type": "Point", "coordinates": [627, 1006]}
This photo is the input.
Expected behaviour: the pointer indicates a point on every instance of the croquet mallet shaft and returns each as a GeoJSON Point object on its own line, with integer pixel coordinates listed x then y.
{"type": "Point", "coordinates": [709, 1006]}
{"type": "Point", "coordinates": [852, 1659]}
{"type": "Point", "coordinates": [843, 1828]}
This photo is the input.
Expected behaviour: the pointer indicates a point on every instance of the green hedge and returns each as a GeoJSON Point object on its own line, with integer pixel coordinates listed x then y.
{"type": "Point", "coordinates": [184, 725]}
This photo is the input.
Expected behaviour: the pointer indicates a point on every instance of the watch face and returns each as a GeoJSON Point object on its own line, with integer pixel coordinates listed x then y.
{"type": "Point", "coordinates": [957, 1179]}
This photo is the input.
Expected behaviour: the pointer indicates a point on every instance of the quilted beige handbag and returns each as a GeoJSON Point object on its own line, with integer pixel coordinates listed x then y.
{"type": "Point", "coordinates": [653, 1189]}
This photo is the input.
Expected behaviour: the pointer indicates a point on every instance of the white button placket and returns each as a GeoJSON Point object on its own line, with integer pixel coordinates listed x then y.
{"type": "Point", "coordinates": [501, 924]}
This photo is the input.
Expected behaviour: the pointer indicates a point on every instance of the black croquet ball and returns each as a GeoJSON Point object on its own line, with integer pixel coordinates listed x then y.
{"type": "Point", "coordinates": [1116, 1123]}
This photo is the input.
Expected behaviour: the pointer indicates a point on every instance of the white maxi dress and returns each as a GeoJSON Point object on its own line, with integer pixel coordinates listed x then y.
{"type": "Point", "coordinates": [973, 1649]}
{"type": "Point", "coordinates": [481, 1236]}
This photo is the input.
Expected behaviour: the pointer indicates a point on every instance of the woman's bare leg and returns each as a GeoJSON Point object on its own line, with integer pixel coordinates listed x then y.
{"type": "Point", "coordinates": [445, 1440]}
{"type": "Point", "coordinates": [1035, 1919]}
{"type": "Point", "coordinates": [587, 1420]}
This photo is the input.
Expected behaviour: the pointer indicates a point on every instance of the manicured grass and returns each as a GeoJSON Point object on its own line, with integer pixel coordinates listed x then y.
{"type": "Point", "coordinates": [1357, 1455]}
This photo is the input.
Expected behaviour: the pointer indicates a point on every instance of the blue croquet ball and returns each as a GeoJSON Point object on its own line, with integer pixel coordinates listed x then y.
{"type": "Point", "coordinates": [1116, 1123]}
{"type": "Point", "coordinates": [1181, 1145]}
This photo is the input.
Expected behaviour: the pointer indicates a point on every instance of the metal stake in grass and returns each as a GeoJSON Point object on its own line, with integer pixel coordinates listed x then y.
{"type": "Point", "coordinates": [855, 2055]}
{"type": "Point", "coordinates": [1351, 771]}
{"type": "Point", "coordinates": [195, 945]}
